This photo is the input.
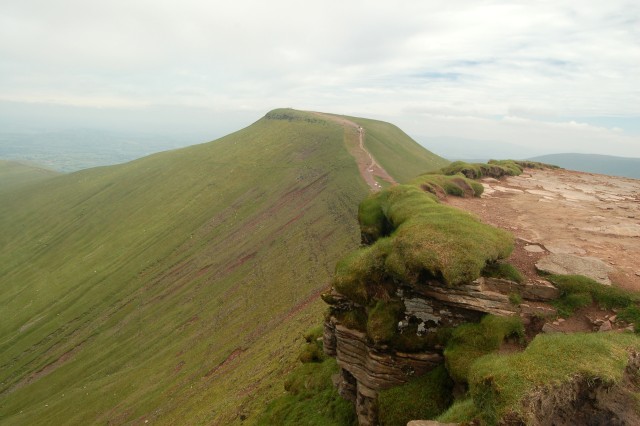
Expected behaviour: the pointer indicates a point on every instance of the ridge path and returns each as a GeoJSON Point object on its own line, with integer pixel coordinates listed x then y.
{"type": "Point", "coordinates": [367, 165]}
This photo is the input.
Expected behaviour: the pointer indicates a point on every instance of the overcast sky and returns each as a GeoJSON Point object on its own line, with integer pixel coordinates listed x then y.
{"type": "Point", "coordinates": [552, 76]}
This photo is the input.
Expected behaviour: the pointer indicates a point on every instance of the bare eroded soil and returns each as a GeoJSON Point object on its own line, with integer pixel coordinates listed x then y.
{"type": "Point", "coordinates": [566, 212]}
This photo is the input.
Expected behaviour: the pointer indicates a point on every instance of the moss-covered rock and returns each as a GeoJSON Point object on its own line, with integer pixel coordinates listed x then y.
{"type": "Point", "coordinates": [426, 240]}
{"type": "Point", "coordinates": [469, 342]}
{"type": "Point", "coordinates": [422, 397]}
{"type": "Point", "coordinates": [508, 386]}
{"type": "Point", "coordinates": [382, 321]}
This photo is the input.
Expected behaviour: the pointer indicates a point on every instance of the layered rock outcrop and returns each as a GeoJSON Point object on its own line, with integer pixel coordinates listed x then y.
{"type": "Point", "coordinates": [368, 367]}
{"type": "Point", "coordinates": [424, 267]}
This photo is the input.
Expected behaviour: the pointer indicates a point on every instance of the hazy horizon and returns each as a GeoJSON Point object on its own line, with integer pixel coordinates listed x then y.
{"type": "Point", "coordinates": [547, 77]}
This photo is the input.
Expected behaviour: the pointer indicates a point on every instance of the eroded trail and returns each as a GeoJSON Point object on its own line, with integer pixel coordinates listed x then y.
{"type": "Point", "coordinates": [367, 165]}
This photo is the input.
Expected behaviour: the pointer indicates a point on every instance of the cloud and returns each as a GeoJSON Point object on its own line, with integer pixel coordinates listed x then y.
{"type": "Point", "coordinates": [543, 61]}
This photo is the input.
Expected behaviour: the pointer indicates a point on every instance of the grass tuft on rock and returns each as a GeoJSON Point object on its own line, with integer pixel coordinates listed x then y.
{"type": "Point", "coordinates": [373, 222]}
{"type": "Point", "coordinates": [355, 319]}
{"type": "Point", "coordinates": [500, 383]}
{"type": "Point", "coordinates": [423, 397]}
{"type": "Point", "coordinates": [494, 169]}
{"type": "Point", "coordinates": [382, 321]}
{"type": "Point", "coordinates": [456, 185]}
{"type": "Point", "coordinates": [312, 350]}
{"type": "Point", "coordinates": [502, 270]}
{"type": "Point", "coordinates": [426, 240]}
{"type": "Point", "coordinates": [362, 272]}
{"type": "Point", "coordinates": [577, 291]}
{"type": "Point", "coordinates": [469, 342]}
{"type": "Point", "coordinates": [462, 411]}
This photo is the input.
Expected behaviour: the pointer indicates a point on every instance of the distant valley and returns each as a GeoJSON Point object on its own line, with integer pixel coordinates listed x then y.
{"type": "Point", "coordinates": [77, 149]}
{"type": "Point", "coordinates": [595, 163]}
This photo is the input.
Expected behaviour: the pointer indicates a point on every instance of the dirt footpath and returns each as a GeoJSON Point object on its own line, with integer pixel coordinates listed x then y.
{"type": "Point", "coordinates": [567, 216]}
{"type": "Point", "coordinates": [367, 165]}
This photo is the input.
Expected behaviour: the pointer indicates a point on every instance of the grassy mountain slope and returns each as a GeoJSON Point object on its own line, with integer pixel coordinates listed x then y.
{"type": "Point", "coordinates": [404, 160]}
{"type": "Point", "coordinates": [14, 175]}
{"type": "Point", "coordinates": [173, 288]}
{"type": "Point", "coordinates": [595, 163]}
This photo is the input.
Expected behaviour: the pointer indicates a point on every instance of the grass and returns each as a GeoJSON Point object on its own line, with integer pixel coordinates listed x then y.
{"type": "Point", "coordinates": [459, 186]}
{"type": "Point", "coordinates": [395, 151]}
{"type": "Point", "coordinates": [423, 397]}
{"type": "Point", "coordinates": [412, 238]}
{"type": "Point", "coordinates": [312, 350]}
{"type": "Point", "coordinates": [631, 314]}
{"type": "Point", "coordinates": [499, 383]}
{"type": "Point", "coordinates": [14, 176]}
{"type": "Point", "coordinates": [493, 168]}
{"type": "Point", "coordinates": [502, 270]}
{"type": "Point", "coordinates": [359, 275]}
{"type": "Point", "coordinates": [425, 240]}
{"type": "Point", "coordinates": [469, 342]}
{"type": "Point", "coordinates": [382, 321]}
{"type": "Point", "coordinates": [461, 411]}
{"type": "Point", "coordinates": [173, 284]}
{"type": "Point", "coordinates": [310, 399]}
{"type": "Point", "coordinates": [577, 291]}
{"type": "Point", "coordinates": [169, 288]}
{"type": "Point", "coordinates": [527, 164]}
{"type": "Point", "coordinates": [355, 319]}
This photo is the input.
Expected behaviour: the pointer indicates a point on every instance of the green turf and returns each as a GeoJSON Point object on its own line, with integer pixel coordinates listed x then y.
{"type": "Point", "coordinates": [422, 397]}
{"type": "Point", "coordinates": [493, 168]}
{"type": "Point", "coordinates": [577, 291]}
{"type": "Point", "coordinates": [14, 176]}
{"type": "Point", "coordinates": [499, 383]}
{"type": "Point", "coordinates": [469, 342]}
{"type": "Point", "coordinates": [414, 238]}
{"type": "Point", "coordinates": [395, 151]}
{"type": "Point", "coordinates": [310, 399]}
{"type": "Point", "coordinates": [459, 186]}
{"type": "Point", "coordinates": [172, 288]}
{"type": "Point", "coordinates": [502, 270]}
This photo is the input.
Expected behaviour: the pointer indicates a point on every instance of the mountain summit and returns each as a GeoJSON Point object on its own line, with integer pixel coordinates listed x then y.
{"type": "Point", "coordinates": [174, 288]}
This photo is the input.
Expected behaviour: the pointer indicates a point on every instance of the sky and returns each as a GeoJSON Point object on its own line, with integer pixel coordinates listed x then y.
{"type": "Point", "coordinates": [539, 76]}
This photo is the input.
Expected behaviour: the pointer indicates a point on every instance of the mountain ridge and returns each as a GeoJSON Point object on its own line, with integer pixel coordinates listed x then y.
{"type": "Point", "coordinates": [166, 288]}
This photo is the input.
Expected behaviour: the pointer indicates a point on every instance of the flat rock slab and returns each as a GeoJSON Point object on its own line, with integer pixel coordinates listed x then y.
{"type": "Point", "coordinates": [562, 247]}
{"type": "Point", "coordinates": [505, 189]}
{"type": "Point", "coordinates": [534, 248]}
{"type": "Point", "coordinates": [569, 264]}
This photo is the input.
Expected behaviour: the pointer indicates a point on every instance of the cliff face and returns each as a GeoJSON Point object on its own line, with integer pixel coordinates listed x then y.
{"type": "Point", "coordinates": [424, 269]}
{"type": "Point", "coordinates": [367, 367]}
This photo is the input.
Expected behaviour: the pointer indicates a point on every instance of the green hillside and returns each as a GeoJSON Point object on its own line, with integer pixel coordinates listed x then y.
{"type": "Point", "coordinates": [403, 161]}
{"type": "Point", "coordinates": [174, 288]}
{"type": "Point", "coordinates": [14, 175]}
